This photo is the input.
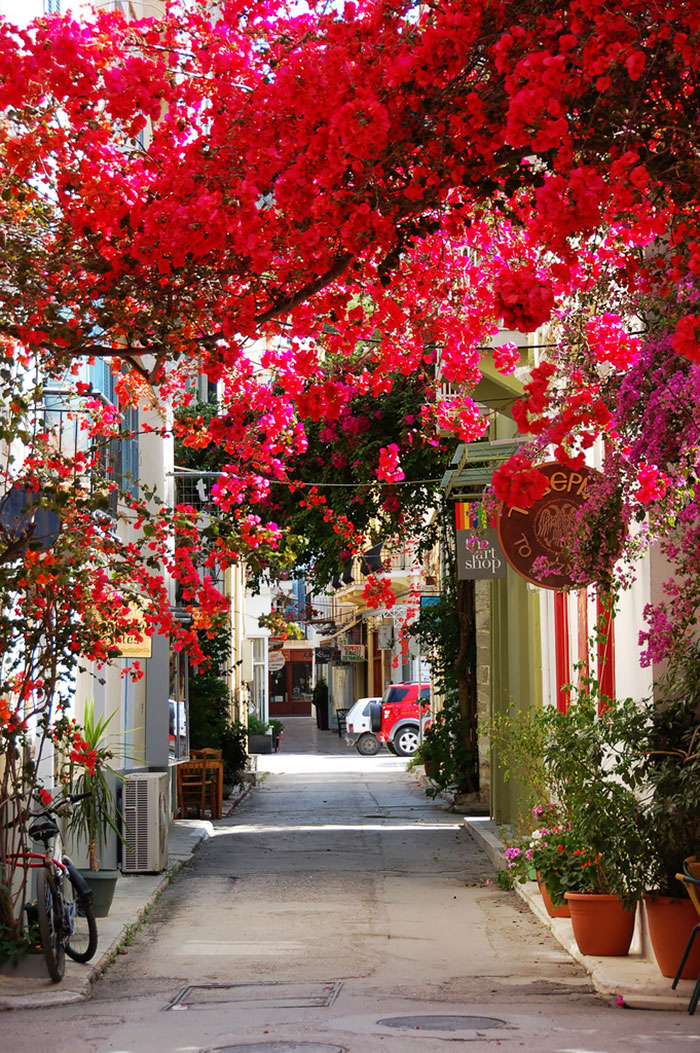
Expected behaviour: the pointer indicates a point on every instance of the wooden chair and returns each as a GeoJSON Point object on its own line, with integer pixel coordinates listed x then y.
{"type": "Point", "coordinates": [212, 759]}
{"type": "Point", "coordinates": [691, 879]}
{"type": "Point", "coordinates": [199, 788]}
{"type": "Point", "coordinates": [208, 753]}
{"type": "Point", "coordinates": [191, 789]}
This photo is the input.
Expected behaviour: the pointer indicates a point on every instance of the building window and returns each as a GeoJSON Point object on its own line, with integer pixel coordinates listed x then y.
{"type": "Point", "coordinates": [258, 699]}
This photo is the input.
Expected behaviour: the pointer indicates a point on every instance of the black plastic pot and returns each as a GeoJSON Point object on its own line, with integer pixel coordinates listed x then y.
{"type": "Point", "coordinates": [102, 883]}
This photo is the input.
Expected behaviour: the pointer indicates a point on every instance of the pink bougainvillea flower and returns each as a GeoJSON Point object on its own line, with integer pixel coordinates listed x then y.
{"type": "Point", "coordinates": [506, 358]}
{"type": "Point", "coordinates": [389, 468]}
{"type": "Point", "coordinates": [462, 417]}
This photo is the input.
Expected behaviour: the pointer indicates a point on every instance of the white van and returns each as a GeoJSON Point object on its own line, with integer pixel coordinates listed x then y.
{"type": "Point", "coordinates": [357, 727]}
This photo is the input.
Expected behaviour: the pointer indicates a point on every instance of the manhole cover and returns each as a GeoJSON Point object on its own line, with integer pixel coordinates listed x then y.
{"type": "Point", "coordinates": [278, 1047]}
{"type": "Point", "coordinates": [444, 1023]}
{"type": "Point", "coordinates": [284, 995]}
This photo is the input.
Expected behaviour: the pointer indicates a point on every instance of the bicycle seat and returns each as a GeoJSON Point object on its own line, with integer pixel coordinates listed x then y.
{"type": "Point", "coordinates": [44, 828]}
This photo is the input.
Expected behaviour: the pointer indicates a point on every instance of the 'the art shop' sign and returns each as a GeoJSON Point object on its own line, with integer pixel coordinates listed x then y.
{"type": "Point", "coordinates": [479, 553]}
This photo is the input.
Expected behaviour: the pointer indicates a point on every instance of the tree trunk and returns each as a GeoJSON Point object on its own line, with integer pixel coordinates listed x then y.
{"type": "Point", "coordinates": [465, 669]}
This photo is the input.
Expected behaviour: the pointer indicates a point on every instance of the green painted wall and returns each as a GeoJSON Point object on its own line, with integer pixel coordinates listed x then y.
{"type": "Point", "coordinates": [516, 673]}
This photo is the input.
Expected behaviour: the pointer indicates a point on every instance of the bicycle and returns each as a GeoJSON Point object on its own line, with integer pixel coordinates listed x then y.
{"type": "Point", "coordinates": [64, 907]}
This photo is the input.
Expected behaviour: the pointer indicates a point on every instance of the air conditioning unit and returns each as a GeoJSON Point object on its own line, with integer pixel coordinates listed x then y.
{"type": "Point", "coordinates": [146, 820]}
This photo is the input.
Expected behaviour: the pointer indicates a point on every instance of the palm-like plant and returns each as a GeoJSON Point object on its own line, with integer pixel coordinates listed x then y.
{"type": "Point", "coordinates": [89, 772]}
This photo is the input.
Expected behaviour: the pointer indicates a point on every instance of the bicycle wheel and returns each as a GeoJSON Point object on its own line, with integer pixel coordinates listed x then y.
{"type": "Point", "coordinates": [81, 926]}
{"type": "Point", "coordinates": [49, 902]}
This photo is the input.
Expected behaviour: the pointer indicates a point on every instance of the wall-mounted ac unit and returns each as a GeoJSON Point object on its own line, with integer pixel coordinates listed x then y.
{"type": "Point", "coordinates": [145, 810]}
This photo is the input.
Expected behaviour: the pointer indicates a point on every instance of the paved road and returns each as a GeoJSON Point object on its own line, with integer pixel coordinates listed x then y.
{"type": "Point", "coordinates": [335, 898]}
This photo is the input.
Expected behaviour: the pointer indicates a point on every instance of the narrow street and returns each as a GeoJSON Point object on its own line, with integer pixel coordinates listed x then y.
{"type": "Point", "coordinates": [339, 909]}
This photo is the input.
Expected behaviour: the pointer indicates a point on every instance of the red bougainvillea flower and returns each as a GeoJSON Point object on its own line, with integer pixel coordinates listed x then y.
{"type": "Point", "coordinates": [378, 593]}
{"type": "Point", "coordinates": [653, 483]}
{"type": "Point", "coordinates": [610, 342]}
{"type": "Point", "coordinates": [524, 300]}
{"type": "Point", "coordinates": [518, 483]}
{"type": "Point", "coordinates": [45, 797]}
{"type": "Point", "coordinates": [686, 339]}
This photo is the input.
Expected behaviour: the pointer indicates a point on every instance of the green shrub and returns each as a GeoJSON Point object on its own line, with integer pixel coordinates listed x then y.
{"type": "Point", "coordinates": [233, 745]}
{"type": "Point", "coordinates": [256, 726]}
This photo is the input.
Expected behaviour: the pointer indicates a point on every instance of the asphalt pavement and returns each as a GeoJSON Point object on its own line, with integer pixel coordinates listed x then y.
{"type": "Point", "coordinates": [633, 981]}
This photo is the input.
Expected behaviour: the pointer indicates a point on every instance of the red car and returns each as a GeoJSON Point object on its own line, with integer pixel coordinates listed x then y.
{"type": "Point", "coordinates": [396, 720]}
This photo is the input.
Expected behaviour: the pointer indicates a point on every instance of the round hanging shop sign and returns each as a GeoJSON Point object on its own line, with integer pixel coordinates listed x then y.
{"type": "Point", "coordinates": [545, 531]}
{"type": "Point", "coordinates": [275, 661]}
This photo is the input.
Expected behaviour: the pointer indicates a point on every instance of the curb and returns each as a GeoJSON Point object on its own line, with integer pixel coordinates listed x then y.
{"type": "Point", "coordinates": [633, 981]}
{"type": "Point", "coordinates": [233, 802]}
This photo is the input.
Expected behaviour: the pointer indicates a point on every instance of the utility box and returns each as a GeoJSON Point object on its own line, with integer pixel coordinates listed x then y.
{"type": "Point", "coordinates": [146, 821]}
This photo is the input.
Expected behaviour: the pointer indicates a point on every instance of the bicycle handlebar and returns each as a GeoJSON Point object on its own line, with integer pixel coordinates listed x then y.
{"type": "Point", "coordinates": [54, 806]}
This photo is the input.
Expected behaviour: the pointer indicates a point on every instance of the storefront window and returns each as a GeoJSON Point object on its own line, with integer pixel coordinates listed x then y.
{"type": "Point", "coordinates": [301, 680]}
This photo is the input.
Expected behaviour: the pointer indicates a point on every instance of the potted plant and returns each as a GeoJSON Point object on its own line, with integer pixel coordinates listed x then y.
{"type": "Point", "coordinates": [590, 753]}
{"type": "Point", "coordinates": [543, 855]}
{"type": "Point", "coordinates": [669, 772]}
{"type": "Point", "coordinates": [259, 735]}
{"type": "Point", "coordinates": [87, 771]}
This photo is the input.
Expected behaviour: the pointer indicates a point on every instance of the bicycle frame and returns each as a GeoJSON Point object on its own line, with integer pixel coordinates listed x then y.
{"type": "Point", "coordinates": [41, 857]}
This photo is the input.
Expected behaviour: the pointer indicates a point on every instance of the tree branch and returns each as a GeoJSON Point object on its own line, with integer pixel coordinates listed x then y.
{"type": "Point", "coordinates": [288, 303]}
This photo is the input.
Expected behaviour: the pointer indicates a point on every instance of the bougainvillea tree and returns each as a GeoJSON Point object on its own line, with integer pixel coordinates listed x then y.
{"type": "Point", "coordinates": [83, 563]}
{"type": "Point", "coordinates": [255, 193]}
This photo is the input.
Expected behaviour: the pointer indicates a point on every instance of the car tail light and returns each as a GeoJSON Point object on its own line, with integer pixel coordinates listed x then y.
{"type": "Point", "coordinates": [351, 728]}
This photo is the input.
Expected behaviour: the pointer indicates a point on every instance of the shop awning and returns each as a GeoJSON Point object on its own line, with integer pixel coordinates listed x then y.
{"type": "Point", "coordinates": [371, 560]}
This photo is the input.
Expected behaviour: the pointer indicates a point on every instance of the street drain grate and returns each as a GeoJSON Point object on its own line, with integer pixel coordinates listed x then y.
{"type": "Point", "coordinates": [444, 1023]}
{"type": "Point", "coordinates": [283, 995]}
{"type": "Point", "coordinates": [278, 1047]}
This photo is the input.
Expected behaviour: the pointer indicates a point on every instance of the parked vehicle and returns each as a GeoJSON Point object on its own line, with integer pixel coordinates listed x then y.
{"type": "Point", "coordinates": [178, 728]}
{"type": "Point", "coordinates": [358, 732]}
{"type": "Point", "coordinates": [396, 720]}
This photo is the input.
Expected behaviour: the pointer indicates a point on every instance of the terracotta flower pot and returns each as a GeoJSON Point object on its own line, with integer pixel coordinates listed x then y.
{"type": "Point", "coordinates": [602, 927]}
{"type": "Point", "coordinates": [432, 767]}
{"type": "Point", "coordinates": [564, 911]}
{"type": "Point", "coordinates": [671, 922]}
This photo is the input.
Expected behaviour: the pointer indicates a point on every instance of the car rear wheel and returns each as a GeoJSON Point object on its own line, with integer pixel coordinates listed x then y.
{"type": "Point", "coordinates": [368, 745]}
{"type": "Point", "coordinates": [391, 747]}
{"type": "Point", "coordinates": [406, 741]}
